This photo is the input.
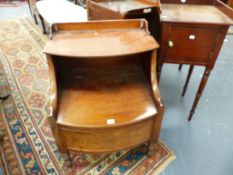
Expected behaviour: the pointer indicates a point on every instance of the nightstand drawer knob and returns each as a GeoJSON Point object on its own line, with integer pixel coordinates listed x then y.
{"type": "Point", "coordinates": [147, 10]}
{"type": "Point", "coordinates": [170, 44]}
{"type": "Point", "coordinates": [192, 37]}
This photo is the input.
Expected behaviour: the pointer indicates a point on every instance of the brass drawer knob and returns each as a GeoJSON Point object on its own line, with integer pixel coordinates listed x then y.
{"type": "Point", "coordinates": [170, 44]}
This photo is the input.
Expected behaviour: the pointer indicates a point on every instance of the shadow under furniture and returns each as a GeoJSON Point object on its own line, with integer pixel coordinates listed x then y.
{"type": "Point", "coordinates": [104, 92]}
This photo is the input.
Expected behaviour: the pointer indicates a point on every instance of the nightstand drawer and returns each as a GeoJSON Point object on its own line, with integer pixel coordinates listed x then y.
{"type": "Point", "coordinates": [189, 44]}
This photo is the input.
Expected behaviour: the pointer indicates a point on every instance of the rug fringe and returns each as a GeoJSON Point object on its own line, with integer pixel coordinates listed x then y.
{"type": "Point", "coordinates": [165, 162]}
{"type": "Point", "coordinates": [164, 165]}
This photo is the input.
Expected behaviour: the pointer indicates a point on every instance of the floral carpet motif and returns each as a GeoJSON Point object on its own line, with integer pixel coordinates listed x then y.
{"type": "Point", "coordinates": [28, 146]}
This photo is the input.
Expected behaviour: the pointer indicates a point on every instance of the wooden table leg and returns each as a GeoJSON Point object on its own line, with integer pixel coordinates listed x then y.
{"type": "Point", "coordinates": [30, 7]}
{"type": "Point", "coordinates": [155, 131]}
{"type": "Point", "coordinates": [1, 130]}
{"type": "Point", "coordinates": [4, 97]}
{"type": "Point", "coordinates": [1, 134]}
{"type": "Point", "coordinates": [159, 69]}
{"type": "Point", "coordinates": [35, 19]}
{"type": "Point", "coordinates": [43, 24]}
{"type": "Point", "coordinates": [180, 67]}
{"type": "Point", "coordinates": [31, 11]}
{"type": "Point", "coordinates": [199, 92]}
{"type": "Point", "coordinates": [187, 79]}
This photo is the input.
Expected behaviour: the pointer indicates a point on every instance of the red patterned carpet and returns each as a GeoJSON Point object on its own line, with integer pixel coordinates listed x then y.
{"type": "Point", "coordinates": [28, 146]}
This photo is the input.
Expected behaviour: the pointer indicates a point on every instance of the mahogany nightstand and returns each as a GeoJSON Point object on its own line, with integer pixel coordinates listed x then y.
{"type": "Point", "coordinates": [104, 92]}
{"type": "Point", "coordinates": [126, 9]}
{"type": "Point", "coordinates": [193, 34]}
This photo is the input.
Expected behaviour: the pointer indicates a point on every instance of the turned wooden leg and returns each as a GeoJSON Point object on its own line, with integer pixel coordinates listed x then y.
{"type": "Point", "coordinates": [199, 92]}
{"type": "Point", "coordinates": [180, 67]}
{"type": "Point", "coordinates": [4, 97]}
{"type": "Point", "coordinates": [43, 24]}
{"type": "Point", "coordinates": [35, 19]}
{"type": "Point", "coordinates": [187, 80]}
{"type": "Point", "coordinates": [30, 7]}
{"type": "Point", "coordinates": [1, 134]}
{"type": "Point", "coordinates": [64, 151]}
{"type": "Point", "coordinates": [61, 144]}
{"type": "Point", "coordinates": [67, 159]}
{"type": "Point", "coordinates": [155, 131]}
{"type": "Point", "coordinates": [152, 148]}
{"type": "Point", "coordinates": [1, 131]}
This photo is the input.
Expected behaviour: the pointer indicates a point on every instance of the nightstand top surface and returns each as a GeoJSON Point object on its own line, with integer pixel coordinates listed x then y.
{"type": "Point", "coordinates": [194, 14]}
{"type": "Point", "coordinates": [128, 5]}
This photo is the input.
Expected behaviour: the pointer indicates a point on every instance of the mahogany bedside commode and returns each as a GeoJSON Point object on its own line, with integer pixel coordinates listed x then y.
{"type": "Point", "coordinates": [104, 92]}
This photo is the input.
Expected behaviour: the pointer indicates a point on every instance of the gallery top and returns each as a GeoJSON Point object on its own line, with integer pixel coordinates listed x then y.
{"type": "Point", "coordinates": [101, 39]}
{"type": "Point", "coordinates": [125, 6]}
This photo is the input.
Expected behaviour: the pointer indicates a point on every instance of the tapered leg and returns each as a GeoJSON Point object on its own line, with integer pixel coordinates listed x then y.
{"type": "Point", "coordinates": [31, 11]}
{"type": "Point", "coordinates": [63, 149]}
{"type": "Point", "coordinates": [1, 131]}
{"type": "Point", "coordinates": [187, 80]}
{"type": "Point", "coordinates": [43, 24]}
{"type": "Point", "coordinates": [67, 159]}
{"type": "Point", "coordinates": [61, 144]}
{"type": "Point", "coordinates": [1, 134]}
{"type": "Point", "coordinates": [155, 131]}
{"type": "Point", "coordinates": [35, 19]}
{"type": "Point", "coordinates": [4, 97]}
{"type": "Point", "coordinates": [30, 7]}
{"type": "Point", "coordinates": [180, 67]}
{"type": "Point", "coordinates": [199, 92]}
{"type": "Point", "coordinates": [159, 69]}
{"type": "Point", "coordinates": [151, 149]}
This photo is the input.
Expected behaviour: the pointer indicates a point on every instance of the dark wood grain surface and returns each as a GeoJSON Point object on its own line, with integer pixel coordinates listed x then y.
{"type": "Point", "coordinates": [194, 14]}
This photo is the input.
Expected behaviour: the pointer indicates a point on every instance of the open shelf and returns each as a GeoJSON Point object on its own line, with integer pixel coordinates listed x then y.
{"type": "Point", "coordinates": [94, 97]}
{"type": "Point", "coordinates": [104, 93]}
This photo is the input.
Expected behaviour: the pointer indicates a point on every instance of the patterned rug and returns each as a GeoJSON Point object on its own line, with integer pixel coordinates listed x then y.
{"type": "Point", "coordinates": [28, 146]}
